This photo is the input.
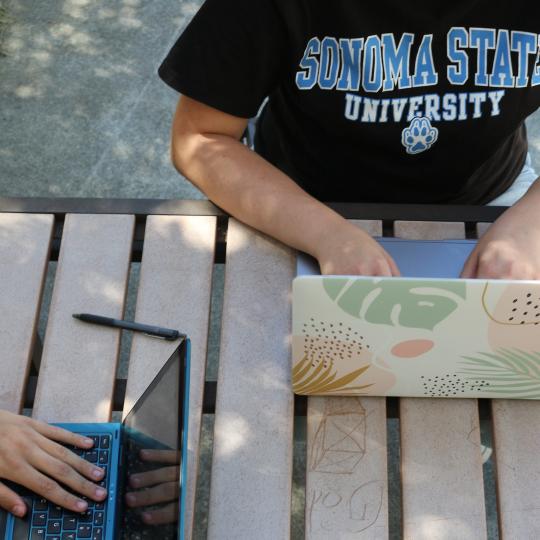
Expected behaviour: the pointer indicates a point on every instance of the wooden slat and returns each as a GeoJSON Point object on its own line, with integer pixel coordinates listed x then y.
{"type": "Point", "coordinates": [79, 360]}
{"type": "Point", "coordinates": [174, 292]}
{"type": "Point", "coordinates": [251, 475]}
{"type": "Point", "coordinates": [429, 230]}
{"type": "Point", "coordinates": [441, 464]}
{"type": "Point", "coordinates": [481, 229]}
{"type": "Point", "coordinates": [516, 433]}
{"type": "Point", "coordinates": [347, 481]}
{"type": "Point", "coordinates": [24, 248]}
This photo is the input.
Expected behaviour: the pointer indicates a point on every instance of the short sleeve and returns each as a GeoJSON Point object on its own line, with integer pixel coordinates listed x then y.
{"type": "Point", "coordinates": [229, 56]}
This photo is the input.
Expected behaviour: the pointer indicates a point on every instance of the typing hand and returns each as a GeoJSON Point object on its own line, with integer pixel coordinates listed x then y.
{"type": "Point", "coordinates": [351, 251]}
{"type": "Point", "coordinates": [31, 456]}
{"type": "Point", "coordinates": [510, 249]}
{"type": "Point", "coordinates": [157, 487]}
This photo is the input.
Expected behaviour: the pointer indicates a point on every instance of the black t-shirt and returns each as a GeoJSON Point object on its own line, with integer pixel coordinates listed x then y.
{"type": "Point", "coordinates": [386, 102]}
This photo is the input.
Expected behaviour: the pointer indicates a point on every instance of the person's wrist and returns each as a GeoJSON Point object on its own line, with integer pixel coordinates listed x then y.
{"type": "Point", "coordinates": [335, 233]}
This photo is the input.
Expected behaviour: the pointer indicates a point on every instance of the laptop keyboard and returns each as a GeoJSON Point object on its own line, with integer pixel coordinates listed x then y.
{"type": "Point", "coordinates": [52, 522]}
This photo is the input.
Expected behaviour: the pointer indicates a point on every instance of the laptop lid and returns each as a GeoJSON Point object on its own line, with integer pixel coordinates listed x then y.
{"type": "Point", "coordinates": [416, 336]}
{"type": "Point", "coordinates": [154, 454]}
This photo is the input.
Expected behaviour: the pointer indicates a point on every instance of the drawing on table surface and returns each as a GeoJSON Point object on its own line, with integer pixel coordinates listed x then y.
{"type": "Point", "coordinates": [340, 440]}
{"type": "Point", "coordinates": [329, 511]}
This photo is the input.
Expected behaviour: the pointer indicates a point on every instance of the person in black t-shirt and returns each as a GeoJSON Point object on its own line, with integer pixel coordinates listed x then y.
{"type": "Point", "coordinates": [397, 102]}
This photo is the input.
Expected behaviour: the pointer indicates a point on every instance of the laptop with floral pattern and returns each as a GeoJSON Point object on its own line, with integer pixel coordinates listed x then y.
{"type": "Point", "coordinates": [416, 337]}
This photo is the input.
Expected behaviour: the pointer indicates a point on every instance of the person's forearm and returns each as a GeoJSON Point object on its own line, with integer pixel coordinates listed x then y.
{"type": "Point", "coordinates": [254, 191]}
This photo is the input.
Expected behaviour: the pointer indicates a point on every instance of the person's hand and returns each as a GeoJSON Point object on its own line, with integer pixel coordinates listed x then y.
{"type": "Point", "coordinates": [29, 456]}
{"type": "Point", "coordinates": [159, 486]}
{"type": "Point", "coordinates": [351, 251]}
{"type": "Point", "coordinates": [510, 249]}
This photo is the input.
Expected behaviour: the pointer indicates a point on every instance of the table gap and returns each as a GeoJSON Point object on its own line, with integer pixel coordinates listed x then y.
{"type": "Point", "coordinates": [56, 242]}
{"type": "Point", "coordinates": [393, 453]}
{"type": "Point", "coordinates": [130, 306]}
{"type": "Point", "coordinates": [46, 297]}
{"type": "Point", "coordinates": [489, 469]}
{"type": "Point", "coordinates": [388, 228]}
{"type": "Point", "coordinates": [214, 323]}
{"type": "Point", "coordinates": [222, 226]}
{"type": "Point", "coordinates": [138, 239]}
{"type": "Point", "coordinates": [202, 493]}
{"type": "Point", "coordinates": [298, 495]}
{"type": "Point", "coordinates": [43, 315]}
{"type": "Point", "coordinates": [470, 230]}
{"type": "Point", "coordinates": [216, 300]}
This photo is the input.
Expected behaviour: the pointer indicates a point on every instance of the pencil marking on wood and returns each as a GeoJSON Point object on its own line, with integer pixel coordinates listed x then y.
{"type": "Point", "coordinates": [340, 439]}
{"type": "Point", "coordinates": [329, 510]}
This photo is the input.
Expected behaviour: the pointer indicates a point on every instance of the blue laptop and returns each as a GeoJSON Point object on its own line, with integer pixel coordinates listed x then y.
{"type": "Point", "coordinates": [152, 437]}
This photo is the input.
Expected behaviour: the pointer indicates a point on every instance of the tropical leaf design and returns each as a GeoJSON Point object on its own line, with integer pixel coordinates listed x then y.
{"type": "Point", "coordinates": [310, 378]}
{"type": "Point", "coordinates": [511, 372]}
{"type": "Point", "coordinates": [408, 303]}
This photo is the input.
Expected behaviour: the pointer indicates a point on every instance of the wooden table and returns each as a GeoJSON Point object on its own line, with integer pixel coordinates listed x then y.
{"type": "Point", "coordinates": [442, 484]}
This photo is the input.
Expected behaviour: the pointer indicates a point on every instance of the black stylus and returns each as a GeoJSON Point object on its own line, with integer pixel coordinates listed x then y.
{"type": "Point", "coordinates": [165, 333]}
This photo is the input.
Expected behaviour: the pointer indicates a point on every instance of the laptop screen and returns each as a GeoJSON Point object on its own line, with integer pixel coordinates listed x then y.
{"type": "Point", "coordinates": [152, 442]}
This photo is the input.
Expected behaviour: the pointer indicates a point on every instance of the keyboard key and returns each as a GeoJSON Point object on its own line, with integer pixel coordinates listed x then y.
{"type": "Point", "coordinates": [105, 441]}
{"type": "Point", "coordinates": [95, 438]}
{"type": "Point", "coordinates": [92, 456]}
{"type": "Point", "coordinates": [38, 534]}
{"type": "Point", "coordinates": [98, 534]}
{"type": "Point", "coordinates": [86, 517]}
{"type": "Point", "coordinates": [55, 512]}
{"type": "Point", "coordinates": [70, 523]}
{"type": "Point", "coordinates": [53, 538]}
{"type": "Point", "coordinates": [103, 457]}
{"type": "Point", "coordinates": [54, 526]}
{"type": "Point", "coordinates": [100, 506]}
{"type": "Point", "coordinates": [69, 536]}
{"type": "Point", "coordinates": [98, 518]}
{"type": "Point", "coordinates": [40, 504]}
{"type": "Point", "coordinates": [78, 451]}
{"type": "Point", "coordinates": [39, 519]}
{"type": "Point", "coordinates": [84, 531]}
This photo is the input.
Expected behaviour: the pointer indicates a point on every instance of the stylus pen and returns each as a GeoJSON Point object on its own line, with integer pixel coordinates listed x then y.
{"type": "Point", "coordinates": [156, 331]}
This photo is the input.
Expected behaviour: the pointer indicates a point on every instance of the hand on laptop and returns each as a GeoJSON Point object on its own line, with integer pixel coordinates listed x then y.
{"type": "Point", "coordinates": [160, 486]}
{"type": "Point", "coordinates": [29, 456]}
{"type": "Point", "coordinates": [352, 251]}
{"type": "Point", "coordinates": [510, 247]}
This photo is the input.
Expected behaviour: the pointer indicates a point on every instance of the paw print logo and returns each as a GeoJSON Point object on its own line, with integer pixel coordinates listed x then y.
{"type": "Point", "coordinates": [419, 136]}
